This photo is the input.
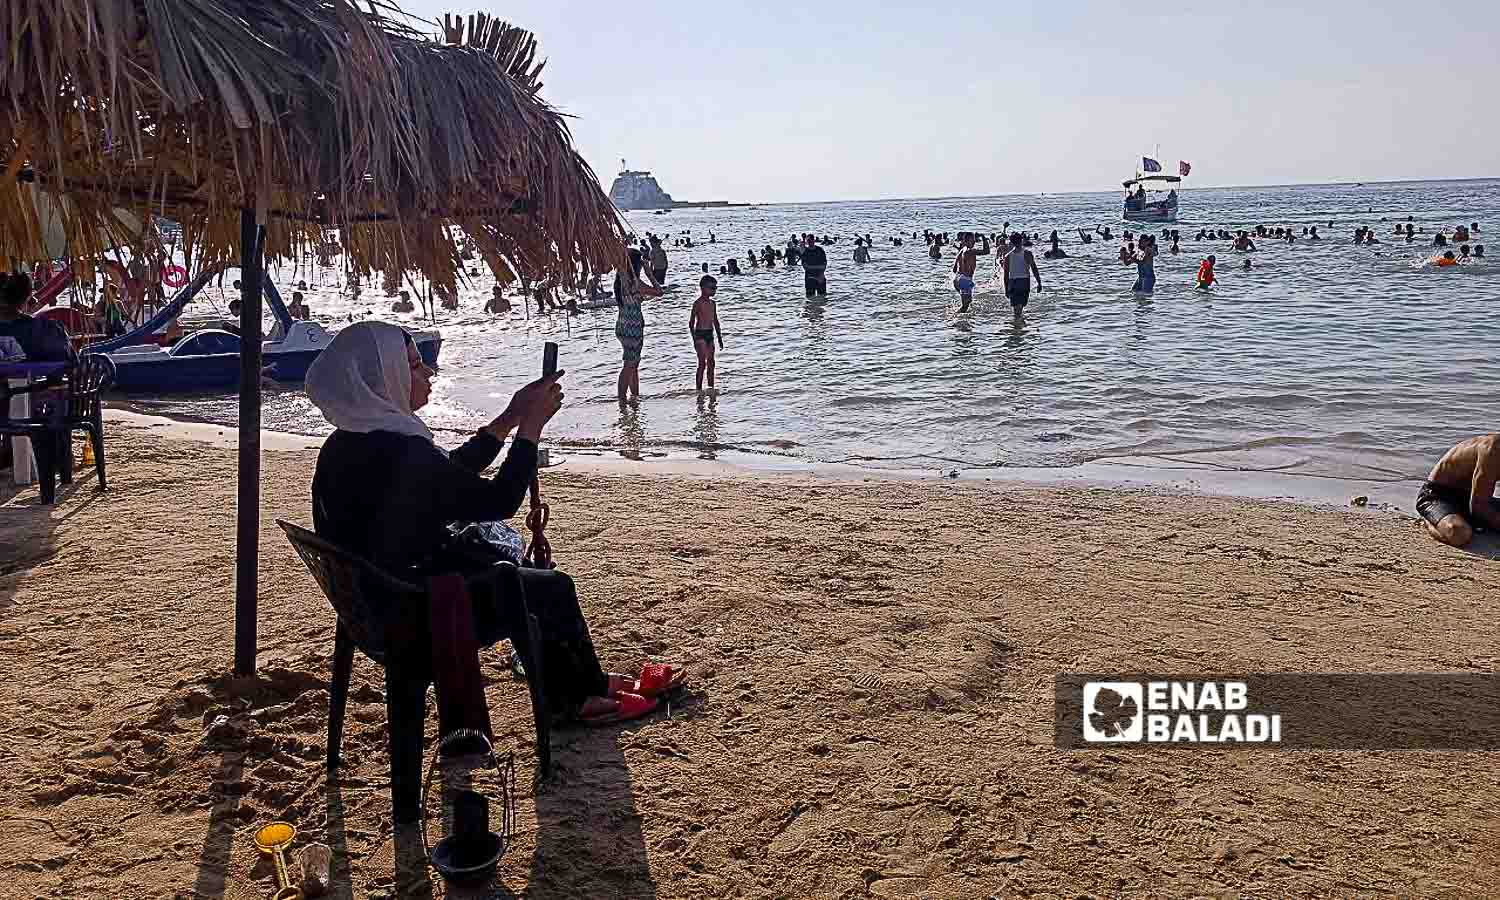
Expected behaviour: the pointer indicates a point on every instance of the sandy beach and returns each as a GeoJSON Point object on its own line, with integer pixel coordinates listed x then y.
{"type": "Point", "coordinates": [871, 709]}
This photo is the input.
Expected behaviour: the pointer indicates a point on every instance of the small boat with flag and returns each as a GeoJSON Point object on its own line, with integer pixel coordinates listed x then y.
{"type": "Point", "coordinates": [1151, 196]}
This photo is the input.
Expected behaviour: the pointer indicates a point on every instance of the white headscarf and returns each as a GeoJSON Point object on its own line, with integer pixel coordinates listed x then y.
{"type": "Point", "coordinates": [362, 381]}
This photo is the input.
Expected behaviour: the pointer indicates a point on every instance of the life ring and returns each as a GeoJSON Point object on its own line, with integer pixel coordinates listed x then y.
{"type": "Point", "coordinates": [174, 276]}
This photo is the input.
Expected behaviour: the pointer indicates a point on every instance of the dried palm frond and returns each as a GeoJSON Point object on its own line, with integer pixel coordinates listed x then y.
{"type": "Point", "coordinates": [315, 112]}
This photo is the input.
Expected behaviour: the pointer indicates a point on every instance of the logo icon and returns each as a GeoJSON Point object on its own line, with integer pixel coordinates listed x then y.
{"type": "Point", "coordinates": [1112, 711]}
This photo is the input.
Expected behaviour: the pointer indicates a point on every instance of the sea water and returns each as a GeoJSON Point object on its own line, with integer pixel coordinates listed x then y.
{"type": "Point", "coordinates": [1324, 359]}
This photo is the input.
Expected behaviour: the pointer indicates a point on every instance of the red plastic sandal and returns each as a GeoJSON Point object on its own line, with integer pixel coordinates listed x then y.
{"type": "Point", "coordinates": [658, 679]}
{"type": "Point", "coordinates": [627, 708]}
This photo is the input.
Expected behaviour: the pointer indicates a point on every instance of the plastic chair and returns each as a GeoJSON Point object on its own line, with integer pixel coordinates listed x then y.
{"type": "Point", "coordinates": [76, 406]}
{"type": "Point", "coordinates": [386, 619]}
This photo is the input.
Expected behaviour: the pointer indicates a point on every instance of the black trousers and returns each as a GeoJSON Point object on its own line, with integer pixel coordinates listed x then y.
{"type": "Point", "coordinates": [570, 668]}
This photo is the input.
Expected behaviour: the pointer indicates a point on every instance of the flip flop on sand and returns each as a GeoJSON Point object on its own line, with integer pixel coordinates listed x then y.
{"type": "Point", "coordinates": [655, 680]}
{"type": "Point", "coordinates": [659, 679]}
{"type": "Point", "coordinates": [627, 707]}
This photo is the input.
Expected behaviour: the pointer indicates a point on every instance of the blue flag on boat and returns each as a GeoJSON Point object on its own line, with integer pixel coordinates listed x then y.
{"type": "Point", "coordinates": [1150, 165]}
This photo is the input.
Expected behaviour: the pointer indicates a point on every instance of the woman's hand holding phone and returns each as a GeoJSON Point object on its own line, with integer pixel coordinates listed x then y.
{"type": "Point", "coordinates": [532, 407]}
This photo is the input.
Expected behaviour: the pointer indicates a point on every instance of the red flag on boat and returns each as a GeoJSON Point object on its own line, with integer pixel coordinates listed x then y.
{"type": "Point", "coordinates": [1183, 168]}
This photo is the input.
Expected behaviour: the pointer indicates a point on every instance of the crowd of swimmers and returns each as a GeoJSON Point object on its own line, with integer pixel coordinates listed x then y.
{"type": "Point", "coordinates": [1015, 268]}
{"type": "Point", "coordinates": [807, 251]}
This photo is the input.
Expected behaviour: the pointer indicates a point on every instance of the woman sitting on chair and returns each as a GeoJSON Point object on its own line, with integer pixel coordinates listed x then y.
{"type": "Point", "coordinates": [385, 491]}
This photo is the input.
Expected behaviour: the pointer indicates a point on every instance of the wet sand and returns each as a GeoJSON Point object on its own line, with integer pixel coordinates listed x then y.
{"type": "Point", "coordinates": [870, 712]}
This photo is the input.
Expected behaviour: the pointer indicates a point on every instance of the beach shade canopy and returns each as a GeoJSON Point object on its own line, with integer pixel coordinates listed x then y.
{"type": "Point", "coordinates": [55, 218]}
{"type": "Point", "coordinates": [312, 112]}
{"type": "Point", "coordinates": [258, 125]}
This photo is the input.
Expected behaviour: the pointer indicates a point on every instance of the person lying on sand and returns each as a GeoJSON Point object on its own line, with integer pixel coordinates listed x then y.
{"type": "Point", "coordinates": [383, 490]}
{"type": "Point", "coordinates": [1458, 496]}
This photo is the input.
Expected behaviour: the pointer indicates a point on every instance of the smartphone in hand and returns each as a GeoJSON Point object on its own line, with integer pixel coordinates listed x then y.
{"type": "Point", "coordinates": [549, 359]}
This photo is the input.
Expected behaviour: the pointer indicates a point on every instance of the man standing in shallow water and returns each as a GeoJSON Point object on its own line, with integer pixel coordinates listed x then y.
{"type": "Point", "coordinates": [964, 265]}
{"type": "Point", "coordinates": [814, 268]}
{"type": "Point", "coordinates": [1017, 265]}
{"type": "Point", "coordinates": [1458, 496]}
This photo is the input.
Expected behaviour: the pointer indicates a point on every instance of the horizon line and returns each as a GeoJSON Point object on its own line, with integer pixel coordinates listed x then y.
{"type": "Point", "coordinates": [1216, 187]}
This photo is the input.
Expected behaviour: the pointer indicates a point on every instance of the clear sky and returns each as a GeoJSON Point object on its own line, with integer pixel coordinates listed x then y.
{"type": "Point", "coordinates": [771, 102]}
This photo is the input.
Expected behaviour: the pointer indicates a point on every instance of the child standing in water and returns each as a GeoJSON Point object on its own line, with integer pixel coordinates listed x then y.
{"type": "Point", "coordinates": [1206, 276]}
{"type": "Point", "coordinates": [703, 323]}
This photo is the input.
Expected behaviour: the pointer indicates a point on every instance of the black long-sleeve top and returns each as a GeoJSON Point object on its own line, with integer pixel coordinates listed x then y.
{"type": "Point", "coordinates": [388, 497]}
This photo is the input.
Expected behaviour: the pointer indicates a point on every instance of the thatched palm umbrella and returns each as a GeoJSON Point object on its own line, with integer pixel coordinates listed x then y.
{"type": "Point", "coordinates": [257, 124]}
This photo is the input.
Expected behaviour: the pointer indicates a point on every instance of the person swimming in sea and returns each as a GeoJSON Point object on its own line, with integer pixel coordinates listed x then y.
{"type": "Point", "coordinates": [1478, 251]}
{"type": "Point", "coordinates": [1447, 259]}
{"type": "Point", "coordinates": [1312, 234]}
{"type": "Point", "coordinates": [1206, 277]}
{"type": "Point", "coordinates": [1247, 266]}
{"type": "Point", "coordinates": [733, 265]}
{"type": "Point", "coordinates": [861, 251]}
{"type": "Point", "coordinates": [497, 304]}
{"type": "Point", "coordinates": [1055, 252]}
{"type": "Point", "coordinates": [935, 250]}
{"type": "Point", "coordinates": [1243, 242]}
{"type": "Point", "coordinates": [1458, 497]}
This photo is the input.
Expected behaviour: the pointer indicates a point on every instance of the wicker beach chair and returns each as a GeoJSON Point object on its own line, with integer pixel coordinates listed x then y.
{"type": "Point", "coordinates": [386, 618]}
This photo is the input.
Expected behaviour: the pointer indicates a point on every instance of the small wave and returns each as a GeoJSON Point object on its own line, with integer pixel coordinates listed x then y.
{"type": "Point", "coordinates": [868, 400]}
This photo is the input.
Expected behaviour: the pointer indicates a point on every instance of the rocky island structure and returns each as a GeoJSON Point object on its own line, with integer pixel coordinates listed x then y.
{"type": "Point", "coordinates": [640, 190]}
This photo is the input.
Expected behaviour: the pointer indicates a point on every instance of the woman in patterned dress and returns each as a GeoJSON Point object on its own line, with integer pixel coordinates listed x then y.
{"type": "Point", "coordinates": [630, 326]}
